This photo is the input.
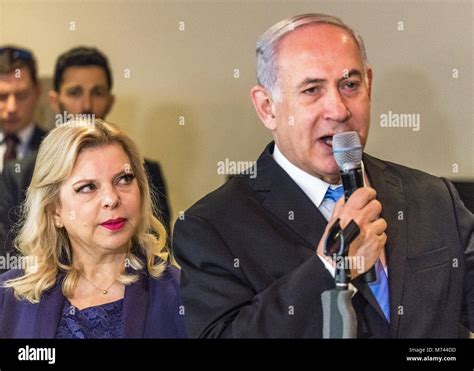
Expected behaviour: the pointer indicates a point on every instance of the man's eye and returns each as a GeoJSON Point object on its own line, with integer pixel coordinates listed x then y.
{"type": "Point", "coordinates": [74, 93]}
{"type": "Point", "coordinates": [3, 97]}
{"type": "Point", "coordinates": [98, 93]}
{"type": "Point", "coordinates": [22, 95]}
{"type": "Point", "coordinates": [312, 90]}
{"type": "Point", "coordinates": [87, 188]}
{"type": "Point", "coordinates": [352, 85]}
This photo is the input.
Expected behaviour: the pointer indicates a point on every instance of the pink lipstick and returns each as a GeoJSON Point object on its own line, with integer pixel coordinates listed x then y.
{"type": "Point", "coordinates": [114, 224]}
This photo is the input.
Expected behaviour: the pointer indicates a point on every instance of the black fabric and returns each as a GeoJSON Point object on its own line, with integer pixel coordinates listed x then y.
{"type": "Point", "coordinates": [466, 193]}
{"type": "Point", "coordinates": [249, 268]}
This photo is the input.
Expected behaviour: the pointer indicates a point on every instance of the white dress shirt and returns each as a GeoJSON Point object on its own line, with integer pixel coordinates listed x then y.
{"type": "Point", "coordinates": [315, 188]}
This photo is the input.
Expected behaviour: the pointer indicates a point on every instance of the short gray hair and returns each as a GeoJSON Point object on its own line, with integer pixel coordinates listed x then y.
{"type": "Point", "coordinates": [267, 45]}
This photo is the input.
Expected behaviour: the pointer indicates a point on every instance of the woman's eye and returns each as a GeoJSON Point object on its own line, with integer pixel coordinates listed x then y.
{"type": "Point", "coordinates": [126, 179]}
{"type": "Point", "coordinates": [87, 188]}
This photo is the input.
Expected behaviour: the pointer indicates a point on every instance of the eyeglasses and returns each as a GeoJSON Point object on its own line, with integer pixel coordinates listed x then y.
{"type": "Point", "coordinates": [14, 54]}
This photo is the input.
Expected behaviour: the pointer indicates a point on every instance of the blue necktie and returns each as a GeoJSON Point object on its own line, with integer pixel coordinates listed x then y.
{"type": "Point", "coordinates": [380, 289]}
{"type": "Point", "coordinates": [380, 286]}
{"type": "Point", "coordinates": [334, 194]}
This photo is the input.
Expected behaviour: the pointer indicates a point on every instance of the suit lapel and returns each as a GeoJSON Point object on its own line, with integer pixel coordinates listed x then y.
{"type": "Point", "coordinates": [286, 201]}
{"type": "Point", "coordinates": [390, 193]}
{"type": "Point", "coordinates": [281, 196]}
{"type": "Point", "coordinates": [49, 312]}
{"type": "Point", "coordinates": [135, 307]}
{"type": "Point", "coordinates": [36, 139]}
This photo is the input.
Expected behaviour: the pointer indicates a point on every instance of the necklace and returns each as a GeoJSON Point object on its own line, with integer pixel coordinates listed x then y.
{"type": "Point", "coordinates": [104, 292]}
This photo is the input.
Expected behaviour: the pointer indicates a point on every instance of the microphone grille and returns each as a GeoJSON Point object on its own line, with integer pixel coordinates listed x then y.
{"type": "Point", "coordinates": [347, 149]}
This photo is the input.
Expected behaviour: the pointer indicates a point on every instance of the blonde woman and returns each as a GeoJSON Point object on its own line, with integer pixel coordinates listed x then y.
{"type": "Point", "coordinates": [95, 260]}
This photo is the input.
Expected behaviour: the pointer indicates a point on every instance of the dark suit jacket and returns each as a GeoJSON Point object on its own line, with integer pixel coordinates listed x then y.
{"type": "Point", "coordinates": [151, 309]}
{"type": "Point", "coordinates": [249, 268]}
{"type": "Point", "coordinates": [13, 186]}
{"type": "Point", "coordinates": [33, 145]}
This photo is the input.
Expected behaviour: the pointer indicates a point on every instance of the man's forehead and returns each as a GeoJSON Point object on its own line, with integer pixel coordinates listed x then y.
{"type": "Point", "coordinates": [316, 50]}
{"type": "Point", "coordinates": [78, 74]}
{"type": "Point", "coordinates": [317, 35]}
{"type": "Point", "coordinates": [18, 76]}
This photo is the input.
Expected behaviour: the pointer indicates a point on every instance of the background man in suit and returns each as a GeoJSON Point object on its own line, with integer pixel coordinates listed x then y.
{"type": "Point", "coordinates": [19, 94]}
{"type": "Point", "coordinates": [20, 137]}
{"type": "Point", "coordinates": [82, 85]}
{"type": "Point", "coordinates": [251, 251]}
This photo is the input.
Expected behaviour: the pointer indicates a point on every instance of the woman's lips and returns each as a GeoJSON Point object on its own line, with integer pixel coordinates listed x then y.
{"type": "Point", "coordinates": [114, 225]}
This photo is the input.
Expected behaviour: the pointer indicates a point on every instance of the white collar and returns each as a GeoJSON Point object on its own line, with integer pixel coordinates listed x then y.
{"type": "Point", "coordinates": [315, 188]}
{"type": "Point", "coordinates": [24, 135]}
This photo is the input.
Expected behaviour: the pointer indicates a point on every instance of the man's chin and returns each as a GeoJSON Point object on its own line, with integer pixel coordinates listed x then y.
{"type": "Point", "coordinates": [327, 171]}
{"type": "Point", "coordinates": [10, 127]}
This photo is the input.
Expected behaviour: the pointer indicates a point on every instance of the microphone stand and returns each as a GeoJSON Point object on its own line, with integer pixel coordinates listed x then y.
{"type": "Point", "coordinates": [339, 318]}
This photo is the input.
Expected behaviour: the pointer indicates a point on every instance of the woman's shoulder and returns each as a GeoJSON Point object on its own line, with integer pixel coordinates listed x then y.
{"type": "Point", "coordinates": [9, 275]}
{"type": "Point", "coordinates": [170, 275]}
{"type": "Point", "coordinates": [167, 283]}
{"type": "Point", "coordinates": [7, 296]}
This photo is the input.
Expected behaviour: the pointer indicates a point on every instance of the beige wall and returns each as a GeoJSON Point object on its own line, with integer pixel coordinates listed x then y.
{"type": "Point", "coordinates": [191, 74]}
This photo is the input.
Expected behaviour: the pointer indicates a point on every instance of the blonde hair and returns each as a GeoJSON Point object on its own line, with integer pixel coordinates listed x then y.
{"type": "Point", "coordinates": [47, 247]}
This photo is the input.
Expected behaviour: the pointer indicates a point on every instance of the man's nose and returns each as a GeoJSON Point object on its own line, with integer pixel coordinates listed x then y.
{"type": "Point", "coordinates": [11, 103]}
{"type": "Point", "coordinates": [86, 103]}
{"type": "Point", "coordinates": [335, 108]}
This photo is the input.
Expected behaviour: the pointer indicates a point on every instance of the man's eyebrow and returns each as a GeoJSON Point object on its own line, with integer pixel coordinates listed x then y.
{"type": "Point", "coordinates": [123, 172]}
{"type": "Point", "coordinates": [351, 73]}
{"type": "Point", "coordinates": [100, 86]}
{"type": "Point", "coordinates": [310, 80]}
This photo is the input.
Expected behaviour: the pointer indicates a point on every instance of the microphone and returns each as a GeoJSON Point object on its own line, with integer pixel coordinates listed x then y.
{"type": "Point", "coordinates": [347, 152]}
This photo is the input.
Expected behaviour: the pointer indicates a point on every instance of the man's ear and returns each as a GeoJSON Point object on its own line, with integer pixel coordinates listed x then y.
{"type": "Point", "coordinates": [369, 81]}
{"type": "Point", "coordinates": [264, 106]}
{"type": "Point", "coordinates": [53, 99]}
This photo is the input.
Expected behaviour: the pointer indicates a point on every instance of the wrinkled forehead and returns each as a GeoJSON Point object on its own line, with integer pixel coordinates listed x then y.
{"type": "Point", "coordinates": [318, 40]}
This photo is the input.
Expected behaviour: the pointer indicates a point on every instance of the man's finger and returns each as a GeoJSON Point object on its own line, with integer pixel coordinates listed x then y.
{"type": "Point", "coordinates": [361, 197]}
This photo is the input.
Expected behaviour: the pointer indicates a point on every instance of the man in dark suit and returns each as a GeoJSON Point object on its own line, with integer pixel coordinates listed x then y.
{"type": "Point", "coordinates": [251, 252]}
{"type": "Point", "coordinates": [20, 137]}
{"type": "Point", "coordinates": [82, 85]}
{"type": "Point", "coordinates": [19, 94]}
